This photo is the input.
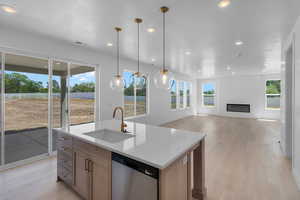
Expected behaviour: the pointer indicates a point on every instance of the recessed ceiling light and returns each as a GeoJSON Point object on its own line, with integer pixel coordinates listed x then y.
{"type": "Point", "coordinates": [8, 8]}
{"type": "Point", "coordinates": [233, 73]}
{"type": "Point", "coordinates": [153, 60]}
{"type": "Point", "coordinates": [228, 68]}
{"type": "Point", "coordinates": [109, 44]}
{"type": "Point", "coordinates": [239, 43]}
{"type": "Point", "coordinates": [187, 53]}
{"type": "Point", "coordinates": [151, 30]}
{"type": "Point", "coordinates": [78, 43]}
{"type": "Point", "coordinates": [224, 3]}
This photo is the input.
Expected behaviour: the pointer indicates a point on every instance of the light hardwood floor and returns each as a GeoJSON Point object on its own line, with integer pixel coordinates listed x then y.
{"type": "Point", "coordinates": [243, 162]}
{"type": "Point", "coordinates": [243, 159]}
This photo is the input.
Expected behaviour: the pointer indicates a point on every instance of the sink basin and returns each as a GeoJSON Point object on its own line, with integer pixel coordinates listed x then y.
{"type": "Point", "coordinates": [109, 135]}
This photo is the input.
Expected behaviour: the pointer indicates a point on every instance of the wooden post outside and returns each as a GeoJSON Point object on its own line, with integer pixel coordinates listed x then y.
{"type": "Point", "coordinates": [63, 102]}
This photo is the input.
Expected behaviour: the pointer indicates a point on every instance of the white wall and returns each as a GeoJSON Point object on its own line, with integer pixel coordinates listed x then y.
{"type": "Point", "coordinates": [159, 108]}
{"type": "Point", "coordinates": [296, 107]}
{"type": "Point", "coordinates": [239, 90]}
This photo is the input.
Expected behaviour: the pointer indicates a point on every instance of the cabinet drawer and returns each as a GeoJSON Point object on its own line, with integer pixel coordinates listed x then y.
{"type": "Point", "coordinates": [64, 140]}
{"type": "Point", "coordinates": [65, 174]}
{"type": "Point", "coordinates": [95, 153]}
{"type": "Point", "coordinates": [65, 150]}
{"type": "Point", "coordinates": [65, 160]}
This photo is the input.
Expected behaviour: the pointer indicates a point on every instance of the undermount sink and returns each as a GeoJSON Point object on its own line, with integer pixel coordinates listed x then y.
{"type": "Point", "coordinates": [109, 135]}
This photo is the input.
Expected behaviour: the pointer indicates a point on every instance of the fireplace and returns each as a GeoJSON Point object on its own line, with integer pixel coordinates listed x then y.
{"type": "Point", "coordinates": [244, 108]}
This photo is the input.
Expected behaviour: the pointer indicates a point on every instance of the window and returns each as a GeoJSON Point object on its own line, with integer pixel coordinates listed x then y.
{"type": "Point", "coordinates": [273, 92]}
{"type": "Point", "coordinates": [135, 95]}
{"type": "Point", "coordinates": [40, 94]}
{"type": "Point", "coordinates": [82, 94]}
{"type": "Point", "coordinates": [188, 94]}
{"type": "Point", "coordinates": [173, 94]}
{"type": "Point", "coordinates": [208, 94]}
{"type": "Point", "coordinates": [26, 107]}
{"type": "Point", "coordinates": [181, 94]}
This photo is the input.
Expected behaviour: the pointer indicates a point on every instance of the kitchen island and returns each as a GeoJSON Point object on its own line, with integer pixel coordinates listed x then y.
{"type": "Point", "coordinates": [90, 157]}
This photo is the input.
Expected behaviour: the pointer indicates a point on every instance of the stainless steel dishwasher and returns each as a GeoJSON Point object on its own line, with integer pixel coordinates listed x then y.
{"type": "Point", "coordinates": [133, 180]}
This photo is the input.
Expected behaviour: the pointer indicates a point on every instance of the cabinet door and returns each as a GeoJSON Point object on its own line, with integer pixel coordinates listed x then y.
{"type": "Point", "coordinates": [100, 180]}
{"type": "Point", "coordinates": [81, 174]}
{"type": "Point", "coordinates": [174, 181]}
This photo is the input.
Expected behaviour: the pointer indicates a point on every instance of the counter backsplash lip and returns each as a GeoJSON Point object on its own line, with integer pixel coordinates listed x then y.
{"type": "Point", "coordinates": [152, 145]}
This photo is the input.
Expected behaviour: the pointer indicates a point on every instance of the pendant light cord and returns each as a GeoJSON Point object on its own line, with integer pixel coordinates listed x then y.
{"type": "Point", "coordinates": [118, 55]}
{"type": "Point", "coordinates": [164, 41]}
{"type": "Point", "coordinates": [138, 47]}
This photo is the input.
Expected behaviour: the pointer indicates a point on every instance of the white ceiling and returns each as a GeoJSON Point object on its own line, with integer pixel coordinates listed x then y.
{"type": "Point", "coordinates": [198, 26]}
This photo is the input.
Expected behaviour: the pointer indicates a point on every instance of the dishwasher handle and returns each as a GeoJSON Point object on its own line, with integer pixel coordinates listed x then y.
{"type": "Point", "coordinates": [136, 165]}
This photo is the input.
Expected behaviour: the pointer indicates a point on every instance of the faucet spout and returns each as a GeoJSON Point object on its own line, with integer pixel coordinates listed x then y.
{"type": "Point", "coordinates": [123, 124]}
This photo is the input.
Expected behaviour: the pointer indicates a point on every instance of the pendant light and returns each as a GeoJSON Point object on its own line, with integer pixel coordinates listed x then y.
{"type": "Point", "coordinates": [138, 21]}
{"type": "Point", "coordinates": [117, 82]}
{"type": "Point", "coordinates": [138, 78]}
{"type": "Point", "coordinates": [163, 77]}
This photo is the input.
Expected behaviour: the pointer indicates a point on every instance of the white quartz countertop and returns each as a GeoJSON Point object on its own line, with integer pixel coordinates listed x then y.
{"type": "Point", "coordinates": [155, 146]}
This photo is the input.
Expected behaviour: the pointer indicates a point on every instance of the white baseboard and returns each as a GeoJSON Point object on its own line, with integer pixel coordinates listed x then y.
{"type": "Point", "coordinates": [239, 115]}
{"type": "Point", "coordinates": [297, 178]}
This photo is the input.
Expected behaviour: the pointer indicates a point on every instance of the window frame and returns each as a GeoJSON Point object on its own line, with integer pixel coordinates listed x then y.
{"type": "Point", "coordinates": [176, 94]}
{"type": "Point", "coordinates": [50, 152]}
{"type": "Point", "coordinates": [178, 82]}
{"type": "Point", "coordinates": [186, 98]}
{"type": "Point", "coordinates": [214, 95]}
{"type": "Point", "coordinates": [266, 98]}
{"type": "Point", "coordinates": [134, 92]}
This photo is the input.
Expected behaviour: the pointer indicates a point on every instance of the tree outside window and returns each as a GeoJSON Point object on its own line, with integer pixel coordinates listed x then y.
{"type": "Point", "coordinates": [208, 94]}
{"type": "Point", "coordinates": [273, 92]}
{"type": "Point", "coordinates": [135, 95]}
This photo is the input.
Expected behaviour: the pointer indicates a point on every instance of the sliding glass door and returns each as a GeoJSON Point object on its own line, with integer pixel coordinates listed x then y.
{"type": "Point", "coordinates": [26, 107]}
{"type": "Point", "coordinates": [82, 94]}
{"type": "Point", "coordinates": [37, 95]}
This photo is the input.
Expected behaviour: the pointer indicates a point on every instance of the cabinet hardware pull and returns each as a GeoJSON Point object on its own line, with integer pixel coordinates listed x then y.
{"type": "Point", "coordinates": [86, 165]}
{"type": "Point", "coordinates": [90, 165]}
{"type": "Point", "coordinates": [148, 173]}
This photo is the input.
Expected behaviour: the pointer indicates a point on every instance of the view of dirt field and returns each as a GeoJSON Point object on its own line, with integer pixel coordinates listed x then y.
{"type": "Point", "coordinates": [129, 108]}
{"type": "Point", "coordinates": [33, 113]}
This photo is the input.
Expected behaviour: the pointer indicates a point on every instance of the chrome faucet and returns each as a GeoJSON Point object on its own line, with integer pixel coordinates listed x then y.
{"type": "Point", "coordinates": [123, 124]}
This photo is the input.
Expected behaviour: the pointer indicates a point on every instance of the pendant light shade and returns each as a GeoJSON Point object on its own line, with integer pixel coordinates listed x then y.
{"type": "Point", "coordinates": [117, 82]}
{"type": "Point", "coordinates": [163, 77]}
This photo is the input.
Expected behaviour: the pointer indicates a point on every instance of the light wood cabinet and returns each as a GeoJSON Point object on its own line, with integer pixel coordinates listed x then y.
{"type": "Point", "coordinates": [81, 174]}
{"type": "Point", "coordinates": [174, 180]}
{"type": "Point", "coordinates": [85, 167]}
{"type": "Point", "coordinates": [65, 159]}
{"type": "Point", "coordinates": [100, 181]}
{"type": "Point", "coordinates": [184, 179]}
{"type": "Point", "coordinates": [92, 171]}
